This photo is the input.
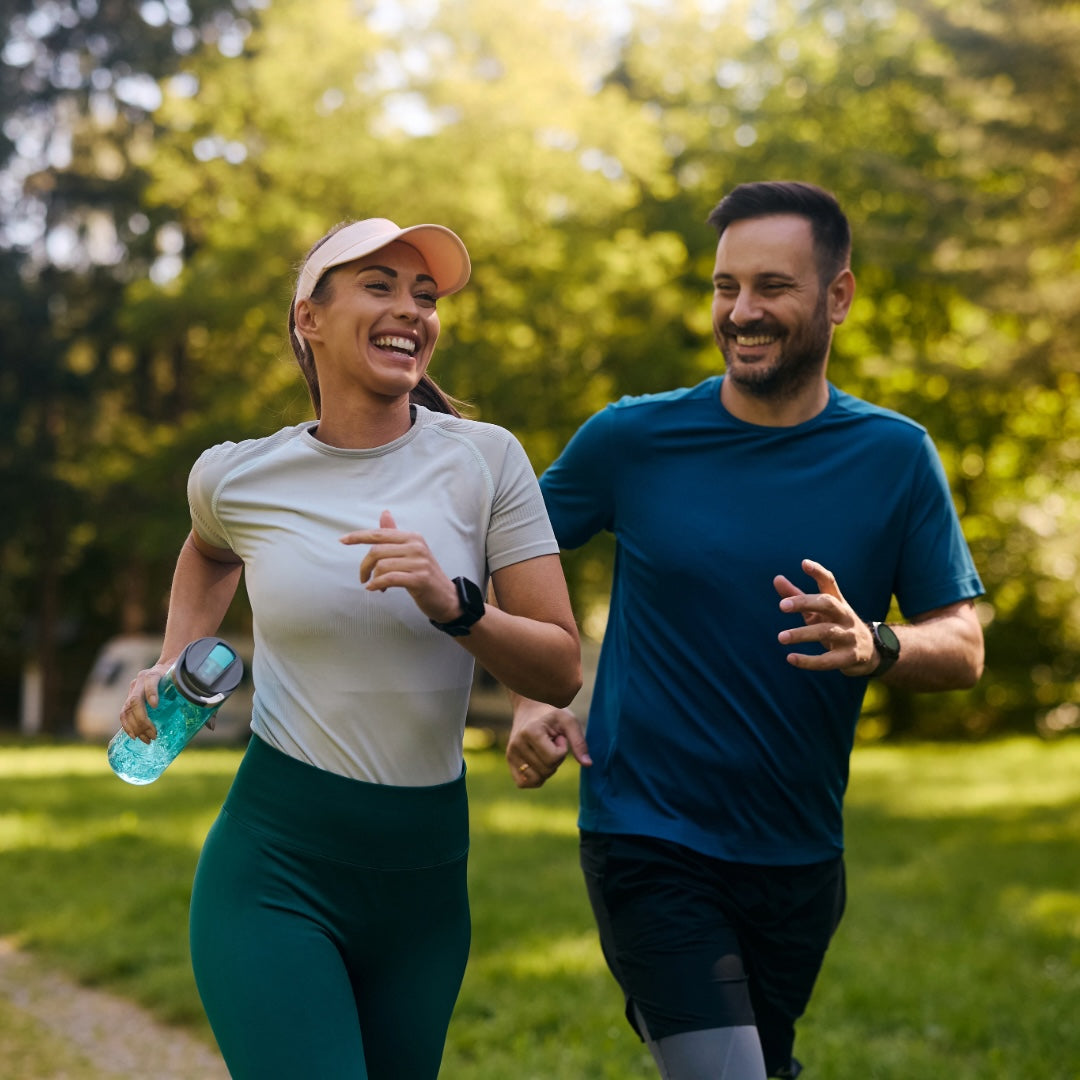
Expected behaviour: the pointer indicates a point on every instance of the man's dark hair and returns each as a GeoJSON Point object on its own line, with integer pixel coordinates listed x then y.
{"type": "Point", "coordinates": [831, 231]}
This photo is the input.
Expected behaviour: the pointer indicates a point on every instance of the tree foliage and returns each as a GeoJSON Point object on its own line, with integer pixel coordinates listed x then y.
{"type": "Point", "coordinates": [579, 160]}
{"type": "Point", "coordinates": [79, 83]}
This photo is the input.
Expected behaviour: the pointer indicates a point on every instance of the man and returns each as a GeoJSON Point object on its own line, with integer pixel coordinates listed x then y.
{"type": "Point", "coordinates": [764, 520]}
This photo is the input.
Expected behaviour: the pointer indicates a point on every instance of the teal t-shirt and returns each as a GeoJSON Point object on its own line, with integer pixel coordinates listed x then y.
{"type": "Point", "coordinates": [700, 731]}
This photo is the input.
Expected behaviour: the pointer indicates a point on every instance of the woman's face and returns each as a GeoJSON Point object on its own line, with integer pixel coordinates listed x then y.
{"type": "Point", "coordinates": [375, 332]}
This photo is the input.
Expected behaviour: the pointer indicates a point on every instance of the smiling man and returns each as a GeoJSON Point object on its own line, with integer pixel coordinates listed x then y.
{"type": "Point", "coordinates": [764, 522]}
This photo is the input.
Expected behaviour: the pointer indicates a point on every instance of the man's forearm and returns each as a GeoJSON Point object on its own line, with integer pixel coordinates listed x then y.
{"type": "Point", "coordinates": [939, 651]}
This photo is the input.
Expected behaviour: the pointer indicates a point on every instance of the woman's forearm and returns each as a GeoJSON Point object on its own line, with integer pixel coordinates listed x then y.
{"type": "Point", "coordinates": [528, 638]}
{"type": "Point", "coordinates": [537, 660]}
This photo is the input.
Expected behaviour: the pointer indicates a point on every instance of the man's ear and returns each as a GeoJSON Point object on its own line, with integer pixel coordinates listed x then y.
{"type": "Point", "coordinates": [307, 320]}
{"type": "Point", "coordinates": [841, 294]}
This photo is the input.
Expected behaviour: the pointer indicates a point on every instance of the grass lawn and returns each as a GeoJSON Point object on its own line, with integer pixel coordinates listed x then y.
{"type": "Point", "coordinates": [959, 956]}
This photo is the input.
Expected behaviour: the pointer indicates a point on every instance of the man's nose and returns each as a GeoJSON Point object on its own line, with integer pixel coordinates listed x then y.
{"type": "Point", "coordinates": [746, 309]}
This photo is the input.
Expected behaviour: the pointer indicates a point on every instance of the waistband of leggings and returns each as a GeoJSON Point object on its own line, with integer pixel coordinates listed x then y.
{"type": "Point", "coordinates": [335, 817]}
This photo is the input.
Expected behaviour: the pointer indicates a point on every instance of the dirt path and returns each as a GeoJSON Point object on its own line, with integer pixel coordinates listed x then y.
{"type": "Point", "coordinates": [118, 1038]}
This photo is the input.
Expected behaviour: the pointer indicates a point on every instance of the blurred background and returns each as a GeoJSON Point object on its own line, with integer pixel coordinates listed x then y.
{"type": "Point", "coordinates": [165, 165]}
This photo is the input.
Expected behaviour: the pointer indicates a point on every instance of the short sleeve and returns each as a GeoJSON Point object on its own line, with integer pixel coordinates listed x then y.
{"type": "Point", "coordinates": [579, 486]}
{"type": "Point", "coordinates": [936, 567]}
{"type": "Point", "coordinates": [204, 482]}
{"type": "Point", "coordinates": [519, 528]}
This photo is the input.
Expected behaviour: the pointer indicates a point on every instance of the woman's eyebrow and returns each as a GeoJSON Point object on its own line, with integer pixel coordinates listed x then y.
{"type": "Point", "coordinates": [391, 272]}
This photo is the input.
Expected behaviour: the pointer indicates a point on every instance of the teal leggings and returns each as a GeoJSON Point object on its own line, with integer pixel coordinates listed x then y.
{"type": "Point", "coordinates": [330, 923]}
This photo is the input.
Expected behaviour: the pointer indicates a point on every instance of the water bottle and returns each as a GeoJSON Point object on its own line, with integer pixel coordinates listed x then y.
{"type": "Point", "coordinates": [189, 693]}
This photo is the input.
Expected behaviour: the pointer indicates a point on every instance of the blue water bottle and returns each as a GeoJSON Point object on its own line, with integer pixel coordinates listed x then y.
{"type": "Point", "coordinates": [189, 693]}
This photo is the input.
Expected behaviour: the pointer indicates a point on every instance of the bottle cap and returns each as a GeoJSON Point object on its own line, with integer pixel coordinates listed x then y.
{"type": "Point", "coordinates": [207, 671]}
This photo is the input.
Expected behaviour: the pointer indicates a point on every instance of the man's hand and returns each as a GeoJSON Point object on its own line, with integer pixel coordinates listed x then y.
{"type": "Point", "coordinates": [540, 740]}
{"type": "Point", "coordinates": [830, 621]}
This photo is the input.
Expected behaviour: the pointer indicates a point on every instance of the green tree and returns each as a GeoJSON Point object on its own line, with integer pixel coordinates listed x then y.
{"type": "Point", "coordinates": [579, 167]}
{"type": "Point", "coordinates": [541, 169]}
{"type": "Point", "coordinates": [78, 83]}
{"type": "Point", "coordinates": [944, 129]}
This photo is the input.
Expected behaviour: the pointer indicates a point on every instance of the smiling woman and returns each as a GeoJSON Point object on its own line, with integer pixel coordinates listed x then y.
{"type": "Point", "coordinates": [351, 798]}
{"type": "Point", "coordinates": [446, 269]}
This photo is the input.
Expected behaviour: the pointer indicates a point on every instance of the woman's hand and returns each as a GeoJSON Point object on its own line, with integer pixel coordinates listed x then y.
{"type": "Point", "coordinates": [142, 692]}
{"type": "Point", "coordinates": [402, 560]}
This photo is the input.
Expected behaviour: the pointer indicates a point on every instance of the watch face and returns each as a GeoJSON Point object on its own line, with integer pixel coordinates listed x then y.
{"type": "Point", "coordinates": [472, 599]}
{"type": "Point", "coordinates": [472, 609]}
{"type": "Point", "coordinates": [890, 643]}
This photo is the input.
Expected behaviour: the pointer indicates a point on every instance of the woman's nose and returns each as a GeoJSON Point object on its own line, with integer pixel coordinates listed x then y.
{"type": "Point", "coordinates": [405, 305]}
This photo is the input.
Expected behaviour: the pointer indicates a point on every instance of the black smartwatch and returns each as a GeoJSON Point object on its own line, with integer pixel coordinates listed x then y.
{"type": "Point", "coordinates": [887, 645]}
{"type": "Point", "coordinates": [472, 609]}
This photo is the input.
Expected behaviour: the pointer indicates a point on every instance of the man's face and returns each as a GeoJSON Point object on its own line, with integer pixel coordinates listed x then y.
{"type": "Point", "coordinates": [772, 316]}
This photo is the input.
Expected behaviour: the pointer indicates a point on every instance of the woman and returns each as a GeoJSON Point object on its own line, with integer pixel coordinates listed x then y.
{"type": "Point", "coordinates": [329, 915]}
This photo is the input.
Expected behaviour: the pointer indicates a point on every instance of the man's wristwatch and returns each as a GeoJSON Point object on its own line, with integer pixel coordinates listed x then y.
{"type": "Point", "coordinates": [887, 645]}
{"type": "Point", "coordinates": [472, 609]}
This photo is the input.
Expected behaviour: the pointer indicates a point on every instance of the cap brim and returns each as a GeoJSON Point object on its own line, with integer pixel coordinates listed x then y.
{"type": "Point", "coordinates": [446, 256]}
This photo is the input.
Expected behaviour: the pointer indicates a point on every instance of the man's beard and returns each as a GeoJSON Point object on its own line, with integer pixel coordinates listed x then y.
{"type": "Point", "coordinates": [801, 360]}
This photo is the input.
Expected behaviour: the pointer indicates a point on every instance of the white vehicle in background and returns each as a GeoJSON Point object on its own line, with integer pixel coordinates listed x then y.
{"type": "Point", "coordinates": [97, 715]}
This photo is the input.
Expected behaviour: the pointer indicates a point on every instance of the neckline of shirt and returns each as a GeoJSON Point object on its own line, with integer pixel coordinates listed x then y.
{"type": "Point", "coordinates": [818, 418]}
{"type": "Point", "coordinates": [419, 420]}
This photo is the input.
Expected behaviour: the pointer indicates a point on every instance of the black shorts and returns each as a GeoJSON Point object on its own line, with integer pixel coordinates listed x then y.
{"type": "Point", "coordinates": [699, 943]}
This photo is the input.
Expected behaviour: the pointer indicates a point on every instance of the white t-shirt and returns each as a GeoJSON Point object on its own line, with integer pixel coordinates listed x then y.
{"type": "Point", "coordinates": [358, 682]}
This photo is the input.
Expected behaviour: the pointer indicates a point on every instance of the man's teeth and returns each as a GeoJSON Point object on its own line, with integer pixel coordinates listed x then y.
{"type": "Point", "coordinates": [754, 339]}
{"type": "Point", "coordinates": [400, 343]}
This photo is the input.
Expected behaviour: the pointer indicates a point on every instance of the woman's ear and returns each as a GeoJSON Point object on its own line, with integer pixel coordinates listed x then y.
{"type": "Point", "coordinates": [306, 319]}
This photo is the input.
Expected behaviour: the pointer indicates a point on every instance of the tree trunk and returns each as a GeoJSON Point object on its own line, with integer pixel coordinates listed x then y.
{"type": "Point", "coordinates": [48, 618]}
{"type": "Point", "coordinates": [133, 597]}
